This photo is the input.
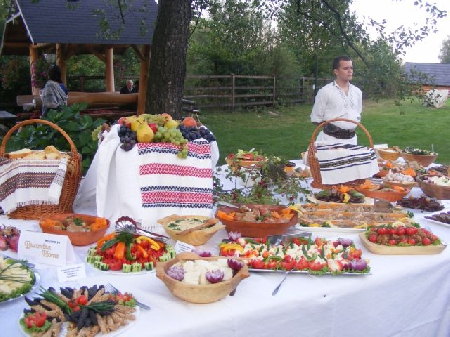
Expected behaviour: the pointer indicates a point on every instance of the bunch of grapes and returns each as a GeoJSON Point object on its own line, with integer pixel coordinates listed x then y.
{"type": "Point", "coordinates": [127, 137]}
{"type": "Point", "coordinates": [174, 136]}
{"type": "Point", "coordinates": [193, 133]}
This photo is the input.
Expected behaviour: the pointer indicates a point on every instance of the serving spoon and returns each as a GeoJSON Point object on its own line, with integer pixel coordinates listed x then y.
{"type": "Point", "coordinates": [275, 291]}
{"type": "Point", "coordinates": [126, 224]}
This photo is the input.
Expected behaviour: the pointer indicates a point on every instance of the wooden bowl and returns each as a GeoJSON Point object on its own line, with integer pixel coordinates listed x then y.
{"type": "Point", "coordinates": [76, 238]}
{"type": "Point", "coordinates": [198, 293]}
{"type": "Point", "coordinates": [258, 229]}
{"type": "Point", "coordinates": [388, 154]}
{"type": "Point", "coordinates": [408, 185]}
{"type": "Point", "coordinates": [422, 159]}
{"type": "Point", "coordinates": [390, 196]}
{"type": "Point", "coordinates": [196, 237]}
{"type": "Point", "coordinates": [433, 190]}
{"type": "Point", "coordinates": [397, 250]}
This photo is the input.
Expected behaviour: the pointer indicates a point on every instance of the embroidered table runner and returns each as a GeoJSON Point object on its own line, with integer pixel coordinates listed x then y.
{"type": "Point", "coordinates": [30, 182]}
{"type": "Point", "coordinates": [170, 185]}
{"type": "Point", "coordinates": [340, 163]}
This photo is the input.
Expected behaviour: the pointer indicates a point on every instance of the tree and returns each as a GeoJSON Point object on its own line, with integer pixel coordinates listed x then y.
{"type": "Point", "coordinates": [444, 55]}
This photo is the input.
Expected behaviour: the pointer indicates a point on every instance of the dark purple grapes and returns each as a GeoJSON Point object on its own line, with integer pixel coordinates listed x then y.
{"type": "Point", "coordinates": [193, 133]}
{"type": "Point", "coordinates": [127, 137]}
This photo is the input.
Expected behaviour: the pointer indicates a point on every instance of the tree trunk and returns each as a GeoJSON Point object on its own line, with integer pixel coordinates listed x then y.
{"type": "Point", "coordinates": [168, 58]}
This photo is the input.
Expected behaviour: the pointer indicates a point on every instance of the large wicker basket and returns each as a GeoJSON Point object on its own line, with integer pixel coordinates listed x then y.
{"type": "Point", "coordinates": [312, 151]}
{"type": "Point", "coordinates": [71, 180]}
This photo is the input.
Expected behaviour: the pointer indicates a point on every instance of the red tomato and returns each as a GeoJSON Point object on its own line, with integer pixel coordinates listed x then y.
{"type": "Point", "coordinates": [145, 244]}
{"type": "Point", "coordinates": [372, 237]}
{"type": "Point", "coordinates": [272, 264]}
{"type": "Point", "coordinates": [426, 241]}
{"type": "Point", "coordinates": [40, 319]}
{"type": "Point", "coordinates": [109, 253]}
{"type": "Point", "coordinates": [412, 242]}
{"type": "Point", "coordinates": [411, 230]}
{"type": "Point", "coordinates": [404, 240]}
{"type": "Point", "coordinates": [287, 258]}
{"type": "Point", "coordinates": [36, 319]}
{"type": "Point", "coordinates": [288, 265]}
{"type": "Point", "coordinates": [82, 300]}
{"type": "Point", "coordinates": [316, 266]}
{"type": "Point", "coordinates": [302, 264]}
{"type": "Point", "coordinates": [257, 264]}
{"type": "Point", "coordinates": [298, 241]}
{"type": "Point", "coordinates": [401, 231]}
{"type": "Point", "coordinates": [392, 242]}
{"type": "Point", "coordinates": [392, 231]}
{"type": "Point", "coordinates": [319, 242]}
{"type": "Point", "coordinates": [115, 265]}
{"type": "Point", "coordinates": [382, 231]}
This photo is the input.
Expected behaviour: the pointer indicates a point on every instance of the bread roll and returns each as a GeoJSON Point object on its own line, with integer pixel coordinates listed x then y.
{"type": "Point", "coordinates": [19, 153]}
{"type": "Point", "coordinates": [39, 155]}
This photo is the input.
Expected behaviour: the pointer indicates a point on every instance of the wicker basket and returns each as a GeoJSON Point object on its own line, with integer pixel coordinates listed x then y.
{"type": "Point", "coordinates": [198, 293]}
{"type": "Point", "coordinates": [433, 190]}
{"type": "Point", "coordinates": [314, 163]}
{"type": "Point", "coordinates": [70, 185]}
{"type": "Point", "coordinates": [423, 159]}
{"type": "Point", "coordinates": [388, 154]}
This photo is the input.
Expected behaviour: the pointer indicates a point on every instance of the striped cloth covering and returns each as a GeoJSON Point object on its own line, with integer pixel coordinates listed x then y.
{"type": "Point", "coordinates": [30, 182]}
{"type": "Point", "coordinates": [170, 185]}
{"type": "Point", "coordinates": [340, 163]}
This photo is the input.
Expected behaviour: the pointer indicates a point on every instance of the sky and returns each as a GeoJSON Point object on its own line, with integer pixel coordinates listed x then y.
{"type": "Point", "coordinates": [404, 12]}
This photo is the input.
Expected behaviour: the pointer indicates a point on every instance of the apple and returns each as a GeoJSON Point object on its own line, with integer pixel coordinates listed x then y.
{"type": "Point", "coordinates": [171, 124]}
{"type": "Point", "coordinates": [153, 126]}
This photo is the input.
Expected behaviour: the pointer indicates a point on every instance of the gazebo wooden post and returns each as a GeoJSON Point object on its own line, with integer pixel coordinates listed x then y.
{"type": "Point", "coordinates": [33, 59]}
{"type": "Point", "coordinates": [61, 61]}
{"type": "Point", "coordinates": [143, 79]}
{"type": "Point", "coordinates": [109, 56]}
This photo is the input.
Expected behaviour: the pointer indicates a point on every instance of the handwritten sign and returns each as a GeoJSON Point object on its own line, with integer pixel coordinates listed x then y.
{"type": "Point", "coordinates": [45, 248]}
{"type": "Point", "coordinates": [71, 273]}
{"type": "Point", "coordinates": [181, 247]}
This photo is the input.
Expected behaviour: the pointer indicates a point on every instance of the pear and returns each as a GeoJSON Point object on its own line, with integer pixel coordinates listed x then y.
{"type": "Point", "coordinates": [144, 133]}
{"type": "Point", "coordinates": [171, 124]}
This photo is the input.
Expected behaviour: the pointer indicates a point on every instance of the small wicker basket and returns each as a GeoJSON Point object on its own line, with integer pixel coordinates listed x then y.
{"type": "Point", "coordinates": [314, 163]}
{"type": "Point", "coordinates": [70, 185]}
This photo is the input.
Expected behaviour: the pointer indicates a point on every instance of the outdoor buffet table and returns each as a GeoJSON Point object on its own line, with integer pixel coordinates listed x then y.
{"type": "Point", "coordinates": [402, 296]}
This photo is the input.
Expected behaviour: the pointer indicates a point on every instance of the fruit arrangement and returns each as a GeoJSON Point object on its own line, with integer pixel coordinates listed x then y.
{"type": "Point", "coordinates": [404, 236]}
{"type": "Point", "coordinates": [128, 253]}
{"type": "Point", "coordinates": [423, 203]}
{"type": "Point", "coordinates": [320, 256]}
{"type": "Point", "coordinates": [341, 194]}
{"type": "Point", "coordinates": [161, 128]}
{"type": "Point", "coordinates": [15, 279]}
{"type": "Point", "coordinates": [86, 312]}
{"type": "Point", "coordinates": [9, 237]}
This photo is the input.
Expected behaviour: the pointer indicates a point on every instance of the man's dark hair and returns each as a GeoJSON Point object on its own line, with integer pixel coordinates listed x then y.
{"type": "Point", "coordinates": [338, 59]}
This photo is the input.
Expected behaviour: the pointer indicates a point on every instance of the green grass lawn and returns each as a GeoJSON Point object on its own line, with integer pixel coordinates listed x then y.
{"type": "Point", "coordinates": [286, 131]}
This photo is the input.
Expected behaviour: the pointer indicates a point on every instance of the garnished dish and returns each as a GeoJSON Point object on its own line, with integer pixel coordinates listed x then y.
{"type": "Point", "coordinates": [400, 179]}
{"type": "Point", "coordinates": [384, 191]}
{"type": "Point", "coordinates": [246, 159]}
{"type": "Point", "coordinates": [16, 279]}
{"type": "Point", "coordinates": [423, 203]}
{"type": "Point", "coordinates": [341, 194]}
{"type": "Point", "coordinates": [128, 253]}
{"type": "Point", "coordinates": [77, 312]}
{"type": "Point", "coordinates": [298, 254]}
{"type": "Point", "coordinates": [442, 218]}
{"type": "Point", "coordinates": [397, 239]}
{"type": "Point", "coordinates": [346, 218]}
{"type": "Point", "coordinates": [9, 238]}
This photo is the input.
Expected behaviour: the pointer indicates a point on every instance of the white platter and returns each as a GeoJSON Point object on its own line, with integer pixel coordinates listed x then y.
{"type": "Point", "coordinates": [34, 288]}
{"type": "Point", "coordinates": [305, 272]}
{"type": "Point", "coordinates": [343, 230]}
{"type": "Point", "coordinates": [119, 272]}
{"type": "Point", "coordinates": [63, 332]}
{"type": "Point", "coordinates": [435, 221]}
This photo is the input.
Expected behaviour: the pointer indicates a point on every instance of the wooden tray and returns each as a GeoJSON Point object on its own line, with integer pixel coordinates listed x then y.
{"type": "Point", "coordinates": [395, 250]}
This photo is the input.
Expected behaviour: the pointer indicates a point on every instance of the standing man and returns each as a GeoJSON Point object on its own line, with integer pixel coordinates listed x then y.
{"type": "Point", "coordinates": [338, 99]}
{"type": "Point", "coordinates": [129, 88]}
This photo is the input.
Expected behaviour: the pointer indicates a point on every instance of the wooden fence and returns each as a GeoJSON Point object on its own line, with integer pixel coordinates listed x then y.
{"type": "Point", "coordinates": [231, 92]}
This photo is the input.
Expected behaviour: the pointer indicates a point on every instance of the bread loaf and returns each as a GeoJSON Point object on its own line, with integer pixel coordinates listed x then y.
{"type": "Point", "coordinates": [19, 153]}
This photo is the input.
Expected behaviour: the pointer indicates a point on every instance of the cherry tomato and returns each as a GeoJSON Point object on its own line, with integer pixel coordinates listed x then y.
{"type": "Point", "coordinates": [411, 230]}
{"type": "Point", "coordinates": [82, 300]}
{"type": "Point", "coordinates": [392, 242]}
{"type": "Point", "coordinates": [257, 264]}
{"type": "Point", "coordinates": [401, 231]}
{"type": "Point", "coordinates": [382, 231]}
{"type": "Point", "coordinates": [392, 231]}
{"type": "Point", "coordinates": [40, 319]}
{"type": "Point", "coordinates": [272, 264]}
{"type": "Point", "coordinates": [115, 265]}
{"type": "Point", "coordinates": [316, 266]}
{"type": "Point", "coordinates": [287, 258]}
{"type": "Point", "coordinates": [412, 242]}
{"type": "Point", "coordinates": [426, 241]}
{"type": "Point", "coordinates": [372, 237]}
{"type": "Point", "coordinates": [302, 264]}
{"type": "Point", "coordinates": [288, 265]}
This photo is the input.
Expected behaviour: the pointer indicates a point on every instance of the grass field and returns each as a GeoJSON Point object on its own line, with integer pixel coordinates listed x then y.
{"type": "Point", "coordinates": [286, 131]}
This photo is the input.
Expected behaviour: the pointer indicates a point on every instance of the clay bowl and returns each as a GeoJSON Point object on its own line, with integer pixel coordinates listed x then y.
{"type": "Point", "coordinates": [258, 229]}
{"type": "Point", "coordinates": [76, 238]}
{"type": "Point", "coordinates": [201, 294]}
{"type": "Point", "coordinates": [422, 159]}
{"type": "Point", "coordinates": [390, 196]}
{"type": "Point", "coordinates": [433, 190]}
{"type": "Point", "coordinates": [196, 237]}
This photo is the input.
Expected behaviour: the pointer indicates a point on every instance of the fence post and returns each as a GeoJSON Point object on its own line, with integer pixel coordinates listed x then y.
{"type": "Point", "coordinates": [274, 97]}
{"type": "Point", "coordinates": [233, 80]}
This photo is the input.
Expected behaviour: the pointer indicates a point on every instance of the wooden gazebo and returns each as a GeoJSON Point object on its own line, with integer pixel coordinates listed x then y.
{"type": "Point", "coordinates": [75, 27]}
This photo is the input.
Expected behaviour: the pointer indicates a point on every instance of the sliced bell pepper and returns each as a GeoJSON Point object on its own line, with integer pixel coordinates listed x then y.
{"type": "Point", "coordinates": [119, 253]}
{"type": "Point", "coordinates": [153, 244]}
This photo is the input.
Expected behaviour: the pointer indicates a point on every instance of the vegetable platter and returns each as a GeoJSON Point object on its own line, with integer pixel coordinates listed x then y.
{"type": "Point", "coordinates": [392, 239]}
{"type": "Point", "coordinates": [298, 254]}
{"type": "Point", "coordinates": [16, 279]}
{"type": "Point", "coordinates": [87, 311]}
{"type": "Point", "coordinates": [125, 252]}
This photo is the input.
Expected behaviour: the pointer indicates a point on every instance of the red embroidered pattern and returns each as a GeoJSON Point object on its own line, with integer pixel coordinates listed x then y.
{"type": "Point", "coordinates": [171, 197]}
{"type": "Point", "coordinates": [174, 169]}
